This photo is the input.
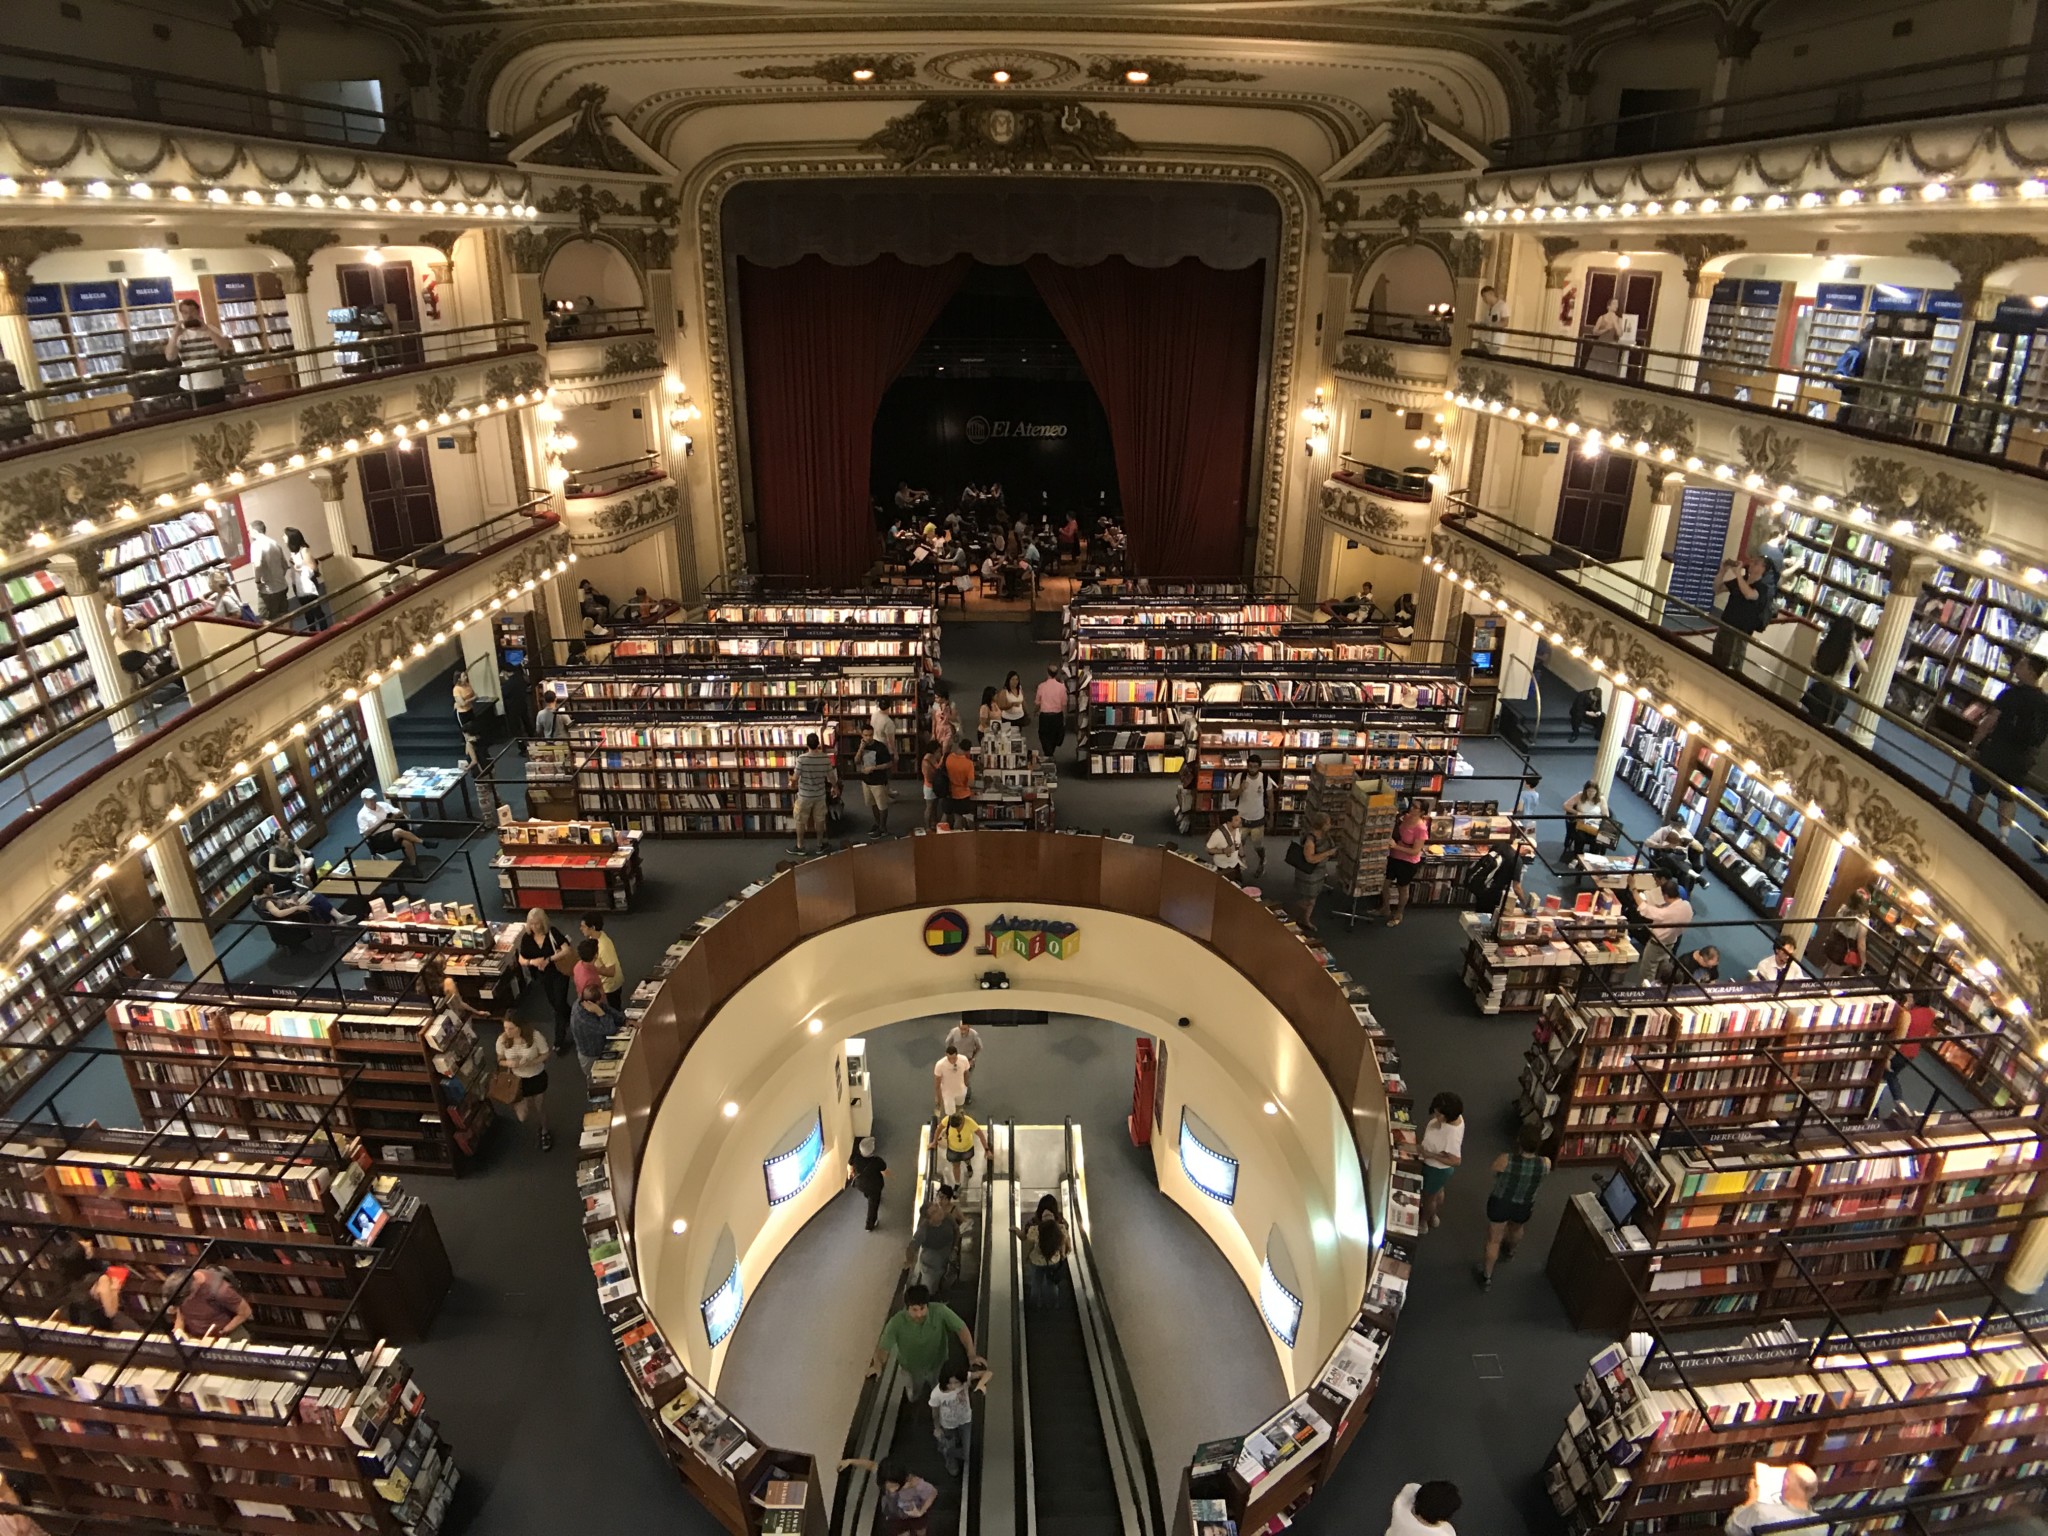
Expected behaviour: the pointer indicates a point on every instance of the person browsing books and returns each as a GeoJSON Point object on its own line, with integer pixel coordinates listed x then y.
{"type": "Point", "coordinates": [1781, 962]}
{"type": "Point", "coordinates": [592, 1023]}
{"type": "Point", "coordinates": [1667, 912]}
{"type": "Point", "coordinates": [1443, 1150]}
{"type": "Point", "coordinates": [1583, 814]}
{"type": "Point", "coordinates": [814, 777]}
{"type": "Point", "coordinates": [1051, 699]}
{"type": "Point", "coordinates": [1404, 858]}
{"type": "Point", "coordinates": [609, 971]}
{"type": "Point", "coordinates": [541, 946]}
{"type": "Point", "coordinates": [206, 1305]}
{"type": "Point", "coordinates": [1792, 1498]}
{"type": "Point", "coordinates": [1425, 1509]}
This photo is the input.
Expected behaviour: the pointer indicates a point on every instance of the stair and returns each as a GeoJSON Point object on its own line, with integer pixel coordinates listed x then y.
{"type": "Point", "coordinates": [1074, 1489]}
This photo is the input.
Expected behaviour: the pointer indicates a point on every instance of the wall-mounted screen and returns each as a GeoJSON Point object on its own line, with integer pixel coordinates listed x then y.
{"type": "Point", "coordinates": [788, 1172]}
{"type": "Point", "coordinates": [1213, 1173]}
{"type": "Point", "coordinates": [1281, 1306]}
{"type": "Point", "coordinates": [723, 1306]}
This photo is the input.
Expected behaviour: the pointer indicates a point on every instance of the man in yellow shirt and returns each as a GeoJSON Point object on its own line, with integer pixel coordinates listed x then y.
{"type": "Point", "coordinates": [608, 970]}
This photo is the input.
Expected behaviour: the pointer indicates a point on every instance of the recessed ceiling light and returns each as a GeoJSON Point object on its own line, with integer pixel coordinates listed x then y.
{"type": "Point", "coordinates": [1001, 77]}
{"type": "Point", "coordinates": [863, 74]}
{"type": "Point", "coordinates": [1137, 76]}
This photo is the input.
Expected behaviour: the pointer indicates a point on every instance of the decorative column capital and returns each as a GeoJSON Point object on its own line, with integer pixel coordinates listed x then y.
{"type": "Point", "coordinates": [1736, 40]}
{"type": "Point", "coordinates": [19, 248]}
{"type": "Point", "coordinates": [1555, 249]}
{"type": "Point", "coordinates": [1695, 251]}
{"type": "Point", "coordinates": [331, 481]}
{"type": "Point", "coordinates": [1975, 257]}
{"type": "Point", "coordinates": [255, 23]}
{"type": "Point", "coordinates": [298, 246]}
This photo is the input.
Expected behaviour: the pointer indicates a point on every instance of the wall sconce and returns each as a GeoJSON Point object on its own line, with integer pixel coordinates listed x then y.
{"type": "Point", "coordinates": [1317, 415]}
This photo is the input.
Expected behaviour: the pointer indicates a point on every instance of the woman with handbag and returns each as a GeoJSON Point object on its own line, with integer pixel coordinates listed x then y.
{"type": "Point", "coordinates": [546, 956]}
{"type": "Point", "coordinates": [521, 1081]}
{"type": "Point", "coordinates": [1310, 857]}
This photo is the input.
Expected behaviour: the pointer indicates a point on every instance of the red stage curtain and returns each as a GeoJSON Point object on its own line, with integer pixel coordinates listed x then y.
{"type": "Point", "coordinates": [822, 346]}
{"type": "Point", "coordinates": [1173, 352]}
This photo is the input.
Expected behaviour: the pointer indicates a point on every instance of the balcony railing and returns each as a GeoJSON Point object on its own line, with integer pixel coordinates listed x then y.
{"type": "Point", "coordinates": [30, 779]}
{"type": "Point", "coordinates": [1394, 484]}
{"type": "Point", "coordinates": [1886, 401]}
{"type": "Point", "coordinates": [588, 324]}
{"type": "Point", "coordinates": [1942, 770]}
{"type": "Point", "coordinates": [56, 82]}
{"type": "Point", "coordinates": [1425, 330]}
{"type": "Point", "coordinates": [610, 479]}
{"type": "Point", "coordinates": [1962, 83]}
{"type": "Point", "coordinates": [114, 402]}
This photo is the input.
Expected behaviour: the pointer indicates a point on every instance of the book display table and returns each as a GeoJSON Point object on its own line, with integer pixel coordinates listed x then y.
{"type": "Point", "coordinates": [567, 865]}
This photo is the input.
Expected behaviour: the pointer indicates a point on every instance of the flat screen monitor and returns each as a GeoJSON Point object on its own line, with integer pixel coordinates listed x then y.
{"type": "Point", "coordinates": [367, 1220]}
{"type": "Point", "coordinates": [1618, 1199]}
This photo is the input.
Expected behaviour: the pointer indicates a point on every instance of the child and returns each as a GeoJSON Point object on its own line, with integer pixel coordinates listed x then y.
{"type": "Point", "coordinates": [952, 1419]}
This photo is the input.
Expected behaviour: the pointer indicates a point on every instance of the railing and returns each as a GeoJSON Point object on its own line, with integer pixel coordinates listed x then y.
{"type": "Point", "coordinates": [1901, 744]}
{"type": "Point", "coordinates": [57, 82]}
{"type": "Point", "coordinates": [1892, 407]}
{"type": "Point", "coordinates": [1395, 484]}
{"type": "Point", "coordinates": [1427, 330]}
{"type": "Point", "coordinates": [114, 402]}
{"type": "Point", "coordinates": [1971, 82]}
{"type": "Point", "coordinates": [32, 778]}
{"type": "Point", "coordinates": [585, 324]}
{"type": "Point", "coordinates": [607, 479]}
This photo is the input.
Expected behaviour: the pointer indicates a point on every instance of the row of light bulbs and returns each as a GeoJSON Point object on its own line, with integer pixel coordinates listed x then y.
{"type": "Point", "coordinates": [1980, 968]}
{"type": "Point", "coordinates": [179, 192]}
{"type": "Point", "coordinates": [1593, 441]}
{"type": "Point", "coordinates": [71, 900]}
{"type": "Point", "coordinates": [1936, 191]}
{"type": "Point", "coordinates": [204, 492]}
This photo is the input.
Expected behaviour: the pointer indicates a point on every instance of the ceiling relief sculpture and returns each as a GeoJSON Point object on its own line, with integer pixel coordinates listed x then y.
{"type": "Point", "coordinates": [1156, 72]}
{"type": "Point", "coordinates": [842, 69]}
{"type": "Point", "coordinates": [1015, 66]}
{"type": "Point", "coordinates": [999, 134]}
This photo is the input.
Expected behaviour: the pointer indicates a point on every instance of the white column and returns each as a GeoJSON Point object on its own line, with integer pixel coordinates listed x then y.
{"type": "Point", "coordinates": [1819, 856]}
{"type": "Point", "coordinates": [1656, 532]}
{"type": "Point", "coordinates": [181, 899]}
{"type": "Point", "coordinates": [2028, 1266]}
{"type": "Point", "coordinates": [1881, 662]}
{"type": "Point", "coordinates": [300, 310]}
{"type": "Point", "coordinates": [1621, 710]}
{"type": "Point", "coordinates": [378, 727]}
{"type": "Point", "coordinates": [78, 571]}
{"type": "Point", "coordinates": [1702, 291]}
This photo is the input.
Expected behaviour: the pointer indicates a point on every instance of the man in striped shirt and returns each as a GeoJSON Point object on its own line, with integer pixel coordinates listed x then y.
{"type": "Point", "coordinates": [200, 348]}
{"type": "Point", "coordinates": [814, 777]}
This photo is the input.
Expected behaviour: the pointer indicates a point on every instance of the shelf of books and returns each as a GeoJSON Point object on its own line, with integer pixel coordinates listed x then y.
{"type": "Point", "coordinates": [1014, 785]}
{"type": "Point", "coordinates": [711, 778]}
{"type": "Point", "coordinates": [1361, 809]}
{"type": "Point", "coordinates": [1399, 722]}
{"type": "Point", "coordinates": [1461, 833]}
{"type": "Point", "coordinates": [1928, 1426]}
{"type": "Point", "coordinates": [46, 678]}
{"type": "Point", "coordinates": [1650, 751]}
{"type": "Point", "coordinates": [1132, 721]}
{"type": "Point", "coordinates": [1965, 632]}
{"type": "Point", "coordinates": [1752, 836]}
{"type": "Point", "coordinates": [1138, 628]}
{"type": "Point", "coordinates": [1835, 567]}
{"type": "Point", "coordinates": [224, 838]}
{"type": "Point", "coordinates": [49, 993]}
{"type": "Point", "coordinates": [794, 642]}
{"type": "Point", "coordinates": [113, 1429]}
{"type": "Point", "coordinates": [1516, 960]}
{"type": "Point", "coordinates": [567, 865]}
{"type": "Point", "coordinates": [1585, 1078]}
{"type": "Point", "coordinates": [337, 759]}
{"type": "Point", "coordinates": [250, 310]}
{"type": "Point", "coordinates": [159, 572]}
{"type": "Point", "coordinates": [253, 1062]}
{"type": "Point", "coordinates": [288, 794]}
{"type": "Point", "coordinates": [84, 330]}
{"type": "Point", "coordinates": [399, 941]}
{"type": "Point", "coordinates": [1741, 335]}
{"type": "Point", "coordinates": [1771, 1223]}
{"type": "Point", "coordinates": [1700, 771]}
{"type": "Point", "coordinates": [315, 1240]}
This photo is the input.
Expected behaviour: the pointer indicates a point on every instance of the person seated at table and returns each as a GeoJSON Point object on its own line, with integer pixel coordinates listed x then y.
{"type": "Point", "coordinates": [1091, 584]}
{"type": "Point", "coordinates": [1587, 712]}
{"type": "Point", "coordinates": [1673, 851]}
{"type": "Point", "coordinates": [383, 825]}
{"type": "Point", "coordinates": [1701, 965]}
{"type": "Point", "coordinates": [286, 862]}
{"type": "Point", "coordinates": [275, 905]}
{"type": "Point", "coordinates": [992, 573]}
{"type": "Point", "coordinates": [1583, 814]}
{"type": "Point", "coordinates": [639, 607]}
{"type": "Point", "coordinates": [591, 603]}
{"type": "Point", "coordinates": [1346, 610]}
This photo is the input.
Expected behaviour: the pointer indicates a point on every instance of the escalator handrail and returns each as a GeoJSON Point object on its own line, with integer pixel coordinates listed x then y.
{"type": "Point", "coordinates": [1020, 1388]}
{"type": "Point", "coordinates": [1130, 1440]}
{"type": "Point", "coordinates": [970, 1482]}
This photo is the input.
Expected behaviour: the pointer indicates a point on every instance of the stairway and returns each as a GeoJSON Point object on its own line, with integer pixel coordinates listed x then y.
{"type": "Point", "coordinates": [1071, 1479]}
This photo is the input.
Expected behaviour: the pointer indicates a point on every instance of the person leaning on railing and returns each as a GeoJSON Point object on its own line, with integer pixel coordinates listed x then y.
{"type": "Point", "coordinates": [202, 350]}
{"type": "Point", "coordinates": [2009, 738]}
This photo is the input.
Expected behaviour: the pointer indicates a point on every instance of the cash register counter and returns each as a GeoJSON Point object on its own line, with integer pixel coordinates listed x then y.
{"type": "Point", "coordinates": [736, 1056]}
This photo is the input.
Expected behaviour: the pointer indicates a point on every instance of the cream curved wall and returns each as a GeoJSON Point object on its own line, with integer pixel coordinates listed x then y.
{"type": "Point", "coordinates": [1299, 1168]}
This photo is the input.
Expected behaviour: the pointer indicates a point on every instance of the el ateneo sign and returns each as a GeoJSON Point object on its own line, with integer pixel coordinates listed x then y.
{"type": "Point", "coordinates": [946, 933]}
{"type": "Point", "coordinates": [980, 429]}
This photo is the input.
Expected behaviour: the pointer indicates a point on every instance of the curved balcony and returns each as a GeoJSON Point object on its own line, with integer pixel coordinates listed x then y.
{"type": "Point", "coordinates": [613, 505]}
{"type": "Point", "coordinates": [1875, 776]}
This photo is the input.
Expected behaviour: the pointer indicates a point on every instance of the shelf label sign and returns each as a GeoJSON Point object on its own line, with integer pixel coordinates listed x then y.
{"type": "Point", "coordinates": [1029, 937]}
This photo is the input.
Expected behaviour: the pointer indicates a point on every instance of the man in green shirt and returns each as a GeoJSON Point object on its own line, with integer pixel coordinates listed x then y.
{"type": "Point", "coordinates": [918, 1339]}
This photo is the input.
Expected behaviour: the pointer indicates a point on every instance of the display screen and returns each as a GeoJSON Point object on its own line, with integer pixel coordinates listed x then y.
{"type": "Point", "coordinates": [1618, 1197]}
{"type": "Point", "coordinates": [1213, 1173]}
{"type": "Point", "coordinates": [723, 1306]}
{"type": "Point", "coordinates": [788, 1172]}
{"type": "Point", "coordinates": [367, 1220]}
{"type": "Point", "coordinates": [1281, 1306]}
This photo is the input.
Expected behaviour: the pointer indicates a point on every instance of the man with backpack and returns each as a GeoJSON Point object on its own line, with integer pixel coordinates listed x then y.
{"type": "Point", "coordinates": [1249, 797]}
{"type": "Point", "coordinates": [1751, 588]}
{"type": "Point", "coordinates": [2009, 738]}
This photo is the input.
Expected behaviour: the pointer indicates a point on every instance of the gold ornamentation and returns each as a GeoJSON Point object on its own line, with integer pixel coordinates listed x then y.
{"type": "Point", "coordinates": [881, 69]}
{"type": "Point", "coordinates": [1560, 399]}
{"type": "Point", "coordinates": [333, 422]}
{"type": "Point", "coordinates": [1768, 452]}
{"type": "Point", "coordinates": [588, 143]}
{"type": "Point", "coordinates": [627, 516]}
{"type": "Point", "coordinates": [1618, 643]}
{"type": "Point", "coordinates": [1976, 257]}
{"type": "Point", "coordinates": [298, 246]}
{"type": "Point", "coordinates": [434, 396]}
{"type": "Point", "coordinates": [1846, 796]}
{"type": "Point", "coordinates": [999, 133]}
{"type": "Point", "coordinates": [1410, 149]}
{"type": "Point", "coordinates": [223, 449]}
{"type": "Point", "coordinates": [1543, 73]}
{"type": "Point", "coordinates": [1408, 209]}
{"type": "Point", "coordinates": [641, 355]}
{"type": "Point", "coordinates": [138, 801]}
{"type": "Point", "coordinates": [1368, 359]}
{"type": "Point", "coordinates": [49, 498]}
{"type": "Point", "coordinates": [1368, 519]}
{"type": "Point", "coordinates": [1945, 504]}
{"type": "Point", "coordinates": [528, 249]}
{"type": "Point", "coordinates": [383, 642]}
{"type": "Point", "coordinates": [516, 378]}
{"type": "Point", "coordinates": [1695, 251]}
{"type": "Point", "coordinates": [19, 248]}
{"type": "Point", "coordinates": [1492, 384]}
{"type": "Point", "coordinates": [1160, 72]}
{"type": "Point", "coordinates": [1662, 426]}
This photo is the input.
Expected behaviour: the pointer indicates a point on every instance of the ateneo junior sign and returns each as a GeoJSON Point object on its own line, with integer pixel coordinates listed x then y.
{"type": "Point", "coordinates": [945, 933]}
{"type": "Point", "coordinates": [980, 429]}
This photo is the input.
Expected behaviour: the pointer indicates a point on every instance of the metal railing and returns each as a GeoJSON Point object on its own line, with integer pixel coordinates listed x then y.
{"type": "Point", "coordinates": [1428, 330]}
{"type": "Point", "coordinates": [57, 82]}
{"type": "Point", "coordinates": [1396, 484]}
{"type": "Point", "coordinates": [33, 777]}
{"type": "Point", "coordinates": [586, 324]}
{"type": "Point", "coordinates": [1961, 83]}
{"type": "Point", "coordinates": [141, 397]}
{"type": "Point", "coordinates": [1943, 773]}
{"type": "Point", "coordinates": [605, 479]}
{"type": "Point", "coordinates": [1896, 407]}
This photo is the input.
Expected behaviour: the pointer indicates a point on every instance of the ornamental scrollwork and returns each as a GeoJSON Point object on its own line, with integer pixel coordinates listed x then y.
{"type": "Point", "coordinates": [139, 801]}
{"type": "Point", "coordinates": [1768, 452]}
{"type": "Point", "coordinates": [435, 396]}
{"type": "Point", "coordinates": [521, 378]}
{"type": "Point", "coordinates": [587, 144]}
{"type": "Point", "coordinates": [1490, 385]}
{"type": "Point", "coordinates": [999, 135]}
{"type": "Point", "coordinates": [641, 355]}
{"type": "Point", "coordinates": [333, 422]}
{"type": "Point", "coordinates": [1560, 399]}
{"type": "Point", "coordinates": [1945, 505]}
{"type": "Point", "coordinates": [222, 449]}
{"type": "Point", "coordinates": [1846, 796]}
{"type": "Point", "coordinates": [1360, 514]}
{"type": "Point", "coordinates": [1613, 642]}
{"type": "Point", "coordinates": [657, 504]}
{"type": "Point", "coordinates": [1159, 72]}
{"type": "Point", "coordinates": [48, 498]}
{"type": "Point", "coordinates": [1370, 360]}
{"type": "Point", "coordinates": [1408, 209]}
{"type": "Point", "coordinates": [1409, 149]}
{"type": "Point", "coordinates": [841, 69]}
{"type": "Point", "coordinates": [384, 642]}
{"type": "Point", "coordinates": [1662, 426]}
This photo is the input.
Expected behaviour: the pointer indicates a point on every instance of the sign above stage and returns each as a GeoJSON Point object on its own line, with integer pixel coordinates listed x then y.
{"type": "Point", "coordinates": [980, 429]}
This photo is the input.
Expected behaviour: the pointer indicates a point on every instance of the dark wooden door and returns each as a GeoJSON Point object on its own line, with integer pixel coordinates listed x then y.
{"type": "Point", "coordinates": [1592, 511]}
{"type": "Point", "coordinates": [1637, 292]}
{"type": "Point", "coordinates": [388, 287]}
{"type": "Point", "coordinates": [398, 499]}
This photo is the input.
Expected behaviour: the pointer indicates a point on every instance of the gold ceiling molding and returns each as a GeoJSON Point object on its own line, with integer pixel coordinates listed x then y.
{"type": "Point", "coordinates": [842, 69]}
{"type": "Point", "coordinates": [1293, 191]}
{"type": "Point", "coordinates": [137, 802]}
{"type": "Point", "coordinates": [1160, 72]}
{"type": "Point", "coordinates": [1034, 67]}
{"type": "Point", "coordinates": [1001, 133]}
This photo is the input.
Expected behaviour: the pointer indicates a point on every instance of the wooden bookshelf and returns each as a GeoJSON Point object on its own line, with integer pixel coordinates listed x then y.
{"type": "Point", "coordinates": [1752, 837]}
{"type": "Point", "coordinates": [1133, 721]}
{"type": "Point", "coordinates": [255, 1063]}
{"type": "Point", "coordinates": [1014, 786]}
{"type": "Point", "coordinates": [396, 943]}
{"type": "Point", "coordinates": [1948, 1415]}
{"type": "Point", "coordinates": [251, 1438]}
{"type": "Point", "coordinates": [159, 572]}
{"type": "Point", "coordinates": [1514, 961]}
{"type": "Point", "coordinates": [567, 865]}
{"type": "Point", "coordinates": [337, 755]}
{"type": "Point", "coordinates": [46, 681]}
{"type": "Point", "coordinates": [1835, 568]}
{"type": "Point", "coordinates": [1583, 1078]}
{"type": "Point", "coordinates": [1967, 629]}
{"type": "Point", "coordinates": [732, 777]}
{"type": "Point", "coordinates": [50, 993]}
{"type": "Point", "coordinates": [1461, 832]}
{"type": "Point", "coordinates": [1651, 759]}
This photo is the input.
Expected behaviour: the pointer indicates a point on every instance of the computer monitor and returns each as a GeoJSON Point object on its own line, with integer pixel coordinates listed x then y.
{"type": "Point", "coordinates": [1619, 1199]}
{"type": "Point", "coordinates": [367, 1220]}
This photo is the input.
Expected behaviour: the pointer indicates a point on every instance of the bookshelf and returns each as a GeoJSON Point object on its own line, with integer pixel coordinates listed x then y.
{"type": "Point", "coordinates": [283, 1210]}
{"type": "Point", "coordinates": [1835, 568]}
{"type": "Point", "coordinates": [1013, 786]}
{"type": "Point", "coordinates": [48, 993]}
{"type": "Point", "coordinates": [1133, 721]}
{"type": "Point", "coordinates": [224, 839]}
{"type": "Point", "coordinates": [46, 678]}
{"type": "Point", "coordinates": [337, 759]}
{"type": "Point", "coordinates": [1836, 322]}
{"type": "Point", "coordinates": [396, 942]}
{"type": "Point", "coordinates": [1820, 1221]}
{"type": "Point", "coordinates": [249, 309]}
{"type": "Point", "coordinates": [82, 330]}
{"type": "Point", "coordinates": [1584, 1076]}
{"type": "Point", "coordinates": [567, 865]}
{"type": "Point", "coordinates": [1741, 332]}
{"type": "Point", "coordinates": [1948, 1415]}
{"type": "Point", "coordinates": [1461, 832]}
{"type": "Point", "coordinates": [159, 573]}
{"type": "Point", "coordinates": [1136, 628]}
{"type": "Point", "coordinates": [1650, 752]}
{"type": "Point", "coordinates": [1362, 810]}
{"type": "Point", "coordinates": [756, 641]}
{"type": "Point", "coordinates": [252, 1437]}
{"type": "Point", "coordinates": [1965, 632]}
{"type": "Point", "coordinates": [1514, 962]}
{"type": "Point", "coordinates": [250, 1062]}
{"type": "Point", "coordinates": [292, 806]}
{"type": "Point", "coordinates": [1752, 837]}
{"type": "Point", "coordinates": [710, 778]}
{"type": "Point", "coordinates": [1701, 771]}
